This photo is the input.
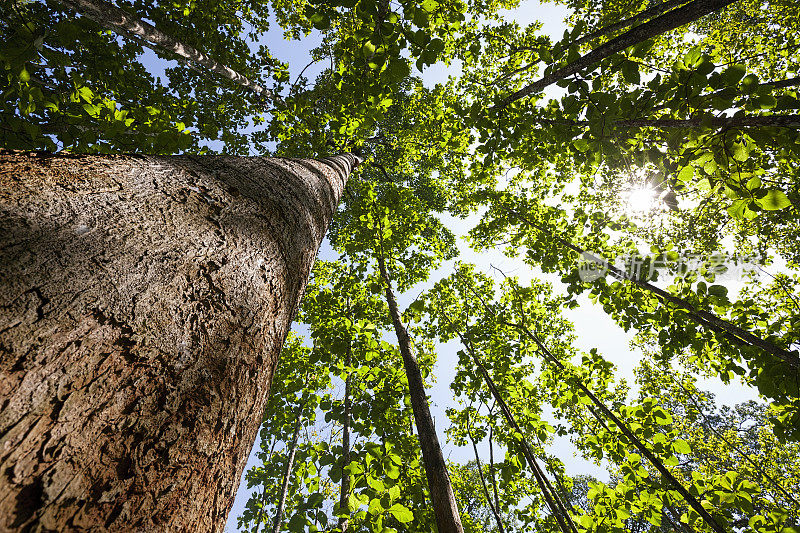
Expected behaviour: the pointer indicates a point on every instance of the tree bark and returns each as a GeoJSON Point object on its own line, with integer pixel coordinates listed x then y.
{"type": "Point", "coordinates": [444, 503]}
{"type": "Point", "coordinates": [143, 304]}
{"type": "Point", "coordinates": [117, 20]}
{"type": "Point", "coordinates": [650, 12]}
{"type": "Point", "coordinates": [345, 492]}
{"type": "Point", "coordinates": [661, 24]}
{"type": "Point", "coordinates": [493, 506]}
{"type": "Point", "coordinates": [287, 474]}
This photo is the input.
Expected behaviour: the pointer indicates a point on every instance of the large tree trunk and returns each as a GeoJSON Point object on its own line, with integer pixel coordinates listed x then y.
{"type": "Point", "coordinates": [143, 304]}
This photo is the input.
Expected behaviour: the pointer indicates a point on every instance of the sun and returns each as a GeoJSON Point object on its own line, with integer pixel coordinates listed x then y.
{"type": "Point", "coordinates": [641, 199]}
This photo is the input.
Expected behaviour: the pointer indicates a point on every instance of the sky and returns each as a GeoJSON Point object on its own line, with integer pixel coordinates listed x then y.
{"type": "Point", "coordinates": [593, 327]}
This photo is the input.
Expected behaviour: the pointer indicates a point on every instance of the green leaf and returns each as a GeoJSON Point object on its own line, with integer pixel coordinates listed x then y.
{"type": "Point", "coordinates": [686, 174]}
{"type": "Point", "coordinates": [718, 290]}
{"type": "Point", "coordinates": [375, 507]}
{"type": "Point", "coordinates": [391, 469]}
{"type": "Point", "coordinates": [581, 144]}
{"type": "Point", "coordinates": [681, 446]}
{"type": "Point", "coordinates": [630, 71]}
{"type": "Point", "coordinates": [401, 513]}
{"type": "Point", "coordinates": [732, 74]}
{"type": "Point", "coordinates": [774, 200]}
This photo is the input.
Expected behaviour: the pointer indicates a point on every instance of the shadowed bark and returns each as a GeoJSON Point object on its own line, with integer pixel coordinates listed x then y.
{"type": "Point", "coordinates": [143, 304]}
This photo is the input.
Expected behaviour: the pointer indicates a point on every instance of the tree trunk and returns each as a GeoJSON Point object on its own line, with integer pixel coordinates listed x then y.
{"type": "Point", "coordinates": [287, 474]}
{"type": "Point", "coordinates": [632, 438]}
{"type": "Point", "coordinates": [661, 24]}
{"type": "Point", "coordinates": [117, 20]}
{"type": "Point", "coordinates": [143, 304]}
{"type": "Point", "coordinates": [345, 492]}
{"type": "Point", "coordinates": [748, 121]}
{"type": "Point", "coordinates": [647, 14]}
{"type": "Point", "coordinates": [557, 507]}
{"type": "Point", "coordinates": [444, 503]}
{"type": "Point", "coordinates": [752, 121]}
{"type": "Point", "coordinates": [493, 506]}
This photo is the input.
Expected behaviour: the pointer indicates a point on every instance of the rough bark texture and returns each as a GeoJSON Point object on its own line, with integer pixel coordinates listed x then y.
{"type": "Point", "coordinates": [143, 304]}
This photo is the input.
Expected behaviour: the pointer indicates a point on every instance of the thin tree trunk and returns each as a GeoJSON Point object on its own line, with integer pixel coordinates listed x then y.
{"type": "Point", "coordinates": [144, 301]}
{"type": "Point", "coordinates": [287, 474]}
{"type": "Point", "coordinates": [345, 491]}
{"type": "Point", "coordinates": [444, 503]}
{"type": "Point", "coordinates": [705, 318]}
{"type": "Point", "coordinates": [771, 121]}
{"type": "Point", "coordinates": [557, 507]}
{"type": "Point", "coordinates": [493, 506]}
{"type": "Point", "coordinates": [650, 12]}
{"type": "Point", "coordinates": [764, 121]}
{"type": "Point", "coordinates": [264, 495]}
{"type": "Point", "coordinates": [747, 457]}
{"type": "Point", "coordinates": [109, 16]}
{"type": "Point", "coordinates": [632, 438]}
{"type": "Point", "coordinates": [664, 23]}
{"type": "Point", "coordinates": [491, 464]}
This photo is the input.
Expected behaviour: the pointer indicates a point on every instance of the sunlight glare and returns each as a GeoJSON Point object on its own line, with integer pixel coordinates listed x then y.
{"type": "Point", "coordinates": [641, 199]}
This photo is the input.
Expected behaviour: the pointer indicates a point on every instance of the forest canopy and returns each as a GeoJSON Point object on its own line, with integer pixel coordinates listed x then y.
{"type": "Point", "coordinates": [645, 163]}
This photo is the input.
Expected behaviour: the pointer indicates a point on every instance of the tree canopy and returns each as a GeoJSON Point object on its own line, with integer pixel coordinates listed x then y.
{"type": "Point", "coordinates": [644, 163]}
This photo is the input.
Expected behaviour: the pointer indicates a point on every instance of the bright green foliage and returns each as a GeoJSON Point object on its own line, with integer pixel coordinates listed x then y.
{"type": "Point", "coordinates": [729, 457]}
{"type": "Point", "coordinates": [704, 117]}
{"type": "Point", "coordinates": [70, 84]}
{"type": "Point", "coordinates": [387, 477]}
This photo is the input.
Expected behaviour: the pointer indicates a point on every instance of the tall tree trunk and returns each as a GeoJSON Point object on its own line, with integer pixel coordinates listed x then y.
{"type": "Point", "coordinates": [287, 474]}
{"type": "Point", "coordinates": [115, 19]}
{"type": "Point", "coordinates": [650, 12]}
{"type": "Point", "coordinates": [752, 121]}
{"type": "Point", "coordinates": [554, 502]}
{"type": "Point", "coordinates": [143, 304]}
{"type": "Point", "coordinates": [661, 24]}
{"type": "Point", "coordinates": [345, 492]}
{"type": "Point", "coordinates": [444, 503]}
{"type": "Point", "coordinates": [747, 121]}
{"type": "Point", "coordinates": [600, 408]}
{"type": "Point", "coordinates": [494, 506]}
